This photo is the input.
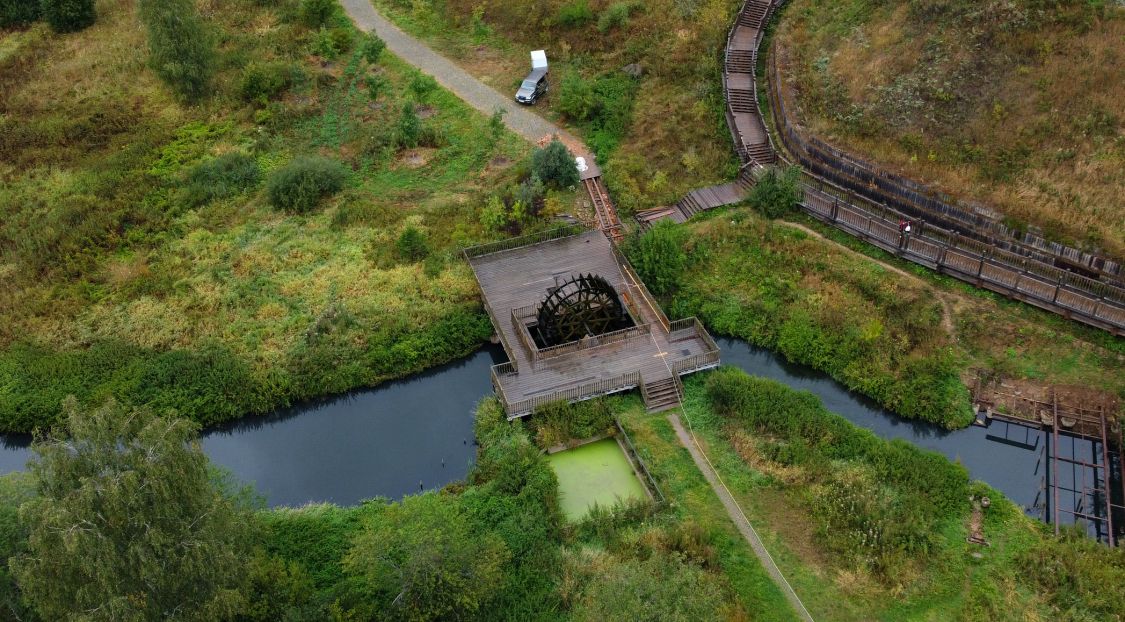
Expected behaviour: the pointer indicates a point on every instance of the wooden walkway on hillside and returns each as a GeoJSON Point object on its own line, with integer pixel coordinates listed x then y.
{"type": "Point", "coordinates": [696, 201]}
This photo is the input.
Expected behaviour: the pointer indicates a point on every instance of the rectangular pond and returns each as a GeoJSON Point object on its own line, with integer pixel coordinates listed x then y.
{"type": "Point", "coordinates": [595, 473]}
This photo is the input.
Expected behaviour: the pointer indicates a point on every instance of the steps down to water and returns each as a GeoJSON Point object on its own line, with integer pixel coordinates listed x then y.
{"type": "Point", "coordinates": [663, 394]}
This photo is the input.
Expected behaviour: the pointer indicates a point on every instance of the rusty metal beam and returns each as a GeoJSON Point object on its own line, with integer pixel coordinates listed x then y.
{"type": "Point", "coordinates": [1106, 475]}
{"type": "Point", "coordinates": [1055, 455]}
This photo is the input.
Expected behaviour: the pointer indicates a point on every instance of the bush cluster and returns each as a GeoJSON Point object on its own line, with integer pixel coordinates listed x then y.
{"type": "Point", "coordinates": [303, 183]}
{"type": "Point", "coordinates": [68, 15]}
{"type": "Point", "coordinates": [617, 16]}
{"type": "Point", "coordinates": [221, 177]}
{"type": "Point", "coordinates": [878, 501]}
{"type": "Point", "coordinates": [558, 422]}
{"type": "Point", "coordinates": [574, 13]}
{"type": "Point", "coordinates": [659, 257]}
{"type": "Point", "coordinates": [554, 165]}
{"type": "Point", "coordinates": [262, 82]}
{"type": "Point", "coordinates": [412, 245]}
{"type": "Point", "coordinates": [604, 106]}
{"type": "Point", "coordinates": [316, 13]}
{"type": "Point", "coordinates": [777, 192]}
{"type": "Point", "coordinates": [19, 12]}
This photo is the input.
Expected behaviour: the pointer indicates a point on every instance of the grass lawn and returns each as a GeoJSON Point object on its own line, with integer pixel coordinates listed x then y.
{"type": "Point", "coordinates": [597, 473]}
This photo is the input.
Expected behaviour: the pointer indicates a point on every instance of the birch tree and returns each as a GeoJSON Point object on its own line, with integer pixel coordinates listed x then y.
{"type": "Point", "coordinates": [127, 524]}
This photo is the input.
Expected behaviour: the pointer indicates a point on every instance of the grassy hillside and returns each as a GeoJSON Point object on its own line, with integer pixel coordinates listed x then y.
{"type": "Point", "coordinates": [909, 339]}
{"type": "Point", "coordinates": [128, 270]}
{"type": "Point", "coordinates": [1018, 105]}
{"type": "Point", "coordinates": [657, 136]}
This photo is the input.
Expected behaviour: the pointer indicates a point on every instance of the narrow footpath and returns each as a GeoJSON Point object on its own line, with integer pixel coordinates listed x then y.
{"type": "Point", "coordinates": [737, 516]}
{"type": "Point", "coordinates": [474, 92]}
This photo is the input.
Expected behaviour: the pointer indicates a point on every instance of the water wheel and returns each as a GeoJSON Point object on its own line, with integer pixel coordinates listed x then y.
{"type": "Point", "coordinates": [584, 305]}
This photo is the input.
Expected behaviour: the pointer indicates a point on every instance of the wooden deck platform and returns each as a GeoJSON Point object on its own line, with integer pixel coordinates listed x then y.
{"type": "Point", "coordinates": [514, 278]}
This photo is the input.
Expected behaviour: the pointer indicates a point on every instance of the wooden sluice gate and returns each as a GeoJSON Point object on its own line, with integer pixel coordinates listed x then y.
{"type": "Point", "coordinates": [1083, 476]}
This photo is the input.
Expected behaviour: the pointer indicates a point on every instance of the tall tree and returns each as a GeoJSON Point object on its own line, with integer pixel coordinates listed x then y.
{"type": "Point", "coordinates": [181, 49]}
{"type": "Point", "coordinates": [127, 524]}
{"type": "Point", "coordinates": [424, 559]}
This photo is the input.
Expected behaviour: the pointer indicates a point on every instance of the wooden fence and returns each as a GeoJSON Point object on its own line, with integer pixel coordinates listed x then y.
{"type": "Point", "coordinates": [1020, 274]}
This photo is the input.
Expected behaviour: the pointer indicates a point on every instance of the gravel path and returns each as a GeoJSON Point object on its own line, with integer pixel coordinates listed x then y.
{"type": "Point", "coordinates": [739, 518]}
{"type": "Point", "coordinates": [474, 92]}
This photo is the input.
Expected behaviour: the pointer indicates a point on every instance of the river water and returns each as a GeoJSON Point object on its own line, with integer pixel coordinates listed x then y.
{"type": "Point", "coordinates": [417, 433]}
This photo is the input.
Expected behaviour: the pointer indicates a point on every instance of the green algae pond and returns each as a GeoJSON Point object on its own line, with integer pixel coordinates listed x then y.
{"type": "Point", "coordinates": [598, 473]}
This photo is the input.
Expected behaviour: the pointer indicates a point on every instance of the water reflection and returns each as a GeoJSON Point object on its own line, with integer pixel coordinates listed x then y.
{"type": "Point", "coordinates": [395, 439]}
{"type": "Point", "coordinates": [418, 433]}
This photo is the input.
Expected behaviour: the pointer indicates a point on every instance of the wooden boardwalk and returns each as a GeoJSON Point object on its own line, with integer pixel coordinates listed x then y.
{"type": "Point", "coordinates": [515, 276]}
{"type": "Point", "coordinates": [1010, 267]}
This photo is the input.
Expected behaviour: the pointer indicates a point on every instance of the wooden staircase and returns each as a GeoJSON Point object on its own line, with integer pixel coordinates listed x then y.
{"type": "Point", "coordinates": [754, 13]}
{"type": "Point", "coordinates": [660, 395]}
{"type": "Point", "coordinates": [742, 100]}
{"type": "Point", "coordinates": [741, 61]}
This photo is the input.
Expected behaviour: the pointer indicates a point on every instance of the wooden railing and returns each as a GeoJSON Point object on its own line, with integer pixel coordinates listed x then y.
{"type": "Point", "coordinates": [592, 343]}
{"type": "Point", "coordinates": [498, 372]}
{"type": "Point", "coordinates": [636, 285]}
{"type": "Point", "coordinates": [520, 242]}
{"type": "Point", "coordinates": [1012, 274]}
{"type": "Point", "coordinates": [917, 200]}
{"type": "Point", "coordinates": [658, 494]}
{"type": "Point", "coordinates": [577, 393]}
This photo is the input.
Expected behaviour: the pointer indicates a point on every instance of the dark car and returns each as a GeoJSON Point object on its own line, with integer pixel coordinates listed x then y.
{"type": "Point", "coordinates": [533, 86]}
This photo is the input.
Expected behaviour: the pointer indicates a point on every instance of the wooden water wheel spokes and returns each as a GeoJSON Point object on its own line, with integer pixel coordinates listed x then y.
{"type": "Point", "coordinates": [584, 305]}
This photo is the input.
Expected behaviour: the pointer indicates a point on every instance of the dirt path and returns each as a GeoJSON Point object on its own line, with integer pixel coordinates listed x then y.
{"type": "Point", "coordinates": [943, 298]}
{"type": "Point", "coordinates": [474, 92]}
{"type": "Point", "coordinates": [739, 518]}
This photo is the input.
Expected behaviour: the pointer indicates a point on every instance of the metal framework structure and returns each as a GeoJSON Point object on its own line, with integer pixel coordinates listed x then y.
{"type": "Point", "coordinates": [585, 305]}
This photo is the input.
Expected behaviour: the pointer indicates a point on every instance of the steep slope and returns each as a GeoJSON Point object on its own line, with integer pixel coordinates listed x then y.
{"type": "Point", "coordinates": [1018, 105]}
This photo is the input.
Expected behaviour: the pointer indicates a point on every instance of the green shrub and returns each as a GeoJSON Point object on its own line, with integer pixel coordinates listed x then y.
{"type": "Point", "coordinates": [377, 85]}
{"type": "Point", "coordinates": [181, 48]}
{"type": "Point", "coordinates": [576, 98]}
{"type": "Point", "coordinates": [303, 183]}
{"type": "Point", "coordinates": [19, 12]}
{"type": "Point", "coordinates": [316, 13]}
{"type": "Point", "coordinates": [574, 13]}
{"type": "Point", "coordinates": [659, 257]}
{"type": "Point", "coordinates": [530, 193]}
{"type": "Point", "coordinates": [68, 15]}
{"type": "Point", "coordinates": [224, 176]}
{"type": "Point", "coordinates": [554, 164]}
{"type": "Point", "coordinates": [421, 85]}
{"type": "Point", "coordinates": [777, 193]}
{"type": "Point", "coordinates": [555, 423]}
{"type": "Point", "coordinates": [409, 129]}
{"type": "Point", "coordinates": [326, 44]}
{"type": "Point", "coordinates": [372, 47]}
{"type": "Point", "coordinates": [411, 244]}
{"type": "Point", "coordinates": [615, 15]}
{"type": "Point", "coordinates": [262, 82]}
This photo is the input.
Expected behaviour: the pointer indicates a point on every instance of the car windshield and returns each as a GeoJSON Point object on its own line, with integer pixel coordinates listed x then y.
{"type": "Point", "coordinates": [529, 84]}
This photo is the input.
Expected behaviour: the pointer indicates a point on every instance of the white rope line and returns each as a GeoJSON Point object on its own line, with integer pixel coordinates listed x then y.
{"type": "Point", "coordinates": [691, 430]}
{"type": "Point", "coordinates": [702, 452]}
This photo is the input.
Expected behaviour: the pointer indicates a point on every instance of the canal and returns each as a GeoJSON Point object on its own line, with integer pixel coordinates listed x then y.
{"type": "Point", "coordinates": [417, 433]}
